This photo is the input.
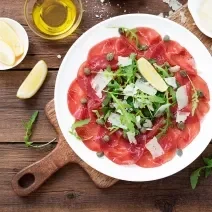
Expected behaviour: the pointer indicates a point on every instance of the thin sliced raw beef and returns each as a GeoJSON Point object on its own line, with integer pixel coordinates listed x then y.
{"type": "Point", "coordinates": [103, 48]}
{"type": "Point", "coordinates": [85, 84]}
{"type": "Point", "coordinates": [99, 62]}
{"type": "Point", "coordinates": [192, 128]}
{"type": "Point", "coordinates": [120, 151]}
{"type": "Point", "coordinates": [158, 53]}
{"type": "Point", "coordinates": [89, 134]}
{"type": "Point", "coordinates": [199, 84]}
{"type": "Point", "coordinates": [124, 48]}
{"type": "Point", "coordinates": [146, 36]}
{"type": "Point", "coordinates": [75, 93]}
{"type": "Point", "coordinates": [178, 55]}
{"type": "Point", "coordinates": [155, 130]}
{"type": "Point", "coordinates": [169, 144]}
{"type": "Point", "coordinates": [203, 109]}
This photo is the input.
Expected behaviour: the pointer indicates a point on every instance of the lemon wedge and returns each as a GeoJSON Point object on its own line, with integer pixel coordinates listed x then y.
{"type": "Point", "coordinates": [151, 75]}
{"type": "Point", "coordinates": [34, 81]}
{"type": "Point", "coordinates": [7, 55]}
{"type": "Point", "coordinates": [9, 36]}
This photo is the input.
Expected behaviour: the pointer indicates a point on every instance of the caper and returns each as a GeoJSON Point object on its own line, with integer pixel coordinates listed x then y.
{"type": "Point", "coordinates": [181, 126]}
{"type": "Point", "coordinates": [100, 154]}
{"type": "Point", "coordinates": [142, 47]}
{"type": "Point", "coordinates": [83, 101]}
{"type": "Point", "coordinates": [106, 138]}
{"type": "Point", "coordinates": [183, 74]}
{"type": "Point", "coordinates": [200, 94]}
{"type": "Point", "coordinates": [87, 71]}
{"type": "Point", "coordinates": [100, 121]}
{"type": "Point", "coordinates": [179, 152]}
{"type": "Point", "coordinates": [110, 56]}
{"type": "Point", "coordinates": [121, 31]}
{"type": "Point", "coordinates": [166, 38]}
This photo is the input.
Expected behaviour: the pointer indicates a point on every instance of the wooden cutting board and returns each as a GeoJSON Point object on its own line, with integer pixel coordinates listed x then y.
{"type": "Point", "coordinates": [40, 171]}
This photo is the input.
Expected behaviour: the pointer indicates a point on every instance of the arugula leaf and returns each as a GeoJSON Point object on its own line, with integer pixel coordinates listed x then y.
{"type": "Point", "coordinates": [77, 124]}
{"type": "Point", "coordinates": [168, 122]}
{"type": "Point", "coordinates": [195, 97]}
{"type": "Point", "coordinates": [208, 172]}
{"type": "Point", "coordinates": [126, 117]}
{"type": "Point", "coordinates": [163, 72]}
{"type": "Point", "coordinates": [207, 161]}
{"type": "Point", "coordinates": [130, 33]}
{"type": "Point", "coordinates": [194, 178]}
{"type": "Point", "coordinates": [157, 99]}
{"type": "Point", "coordinates": [28, 127]}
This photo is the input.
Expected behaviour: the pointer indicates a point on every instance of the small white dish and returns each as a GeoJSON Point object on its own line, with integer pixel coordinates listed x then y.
{"type": "Point", "coordinates": [21, 33]}
{"type": "Point", "coordinates": [194, 7]}
{"type": "Point", "coordinates": [77, 54]}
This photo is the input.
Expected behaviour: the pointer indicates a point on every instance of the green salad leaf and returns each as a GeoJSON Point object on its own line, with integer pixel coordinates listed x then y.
{"type": "Point", "coordinates": [194, 178]}
{"type": "Point", "coordinates": [77, 124]}
{"type": "Point", "coordinates": [28, 128]}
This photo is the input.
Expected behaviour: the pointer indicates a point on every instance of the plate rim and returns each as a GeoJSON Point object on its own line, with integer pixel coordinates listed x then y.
{"type": "Point", "coordinates": [63, 66]}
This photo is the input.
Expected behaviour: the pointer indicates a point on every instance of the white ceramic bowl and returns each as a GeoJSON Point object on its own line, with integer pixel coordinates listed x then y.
{"type": "Point", "coordinates": [194, 6]}
{"type": "Point", "coordinates": [21, 33]}
{"type": "Point", "coordinates": [77, 55]}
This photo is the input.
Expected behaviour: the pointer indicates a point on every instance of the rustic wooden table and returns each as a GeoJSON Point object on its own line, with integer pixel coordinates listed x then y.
{"type": "Point", "coordinates": [71, 189]}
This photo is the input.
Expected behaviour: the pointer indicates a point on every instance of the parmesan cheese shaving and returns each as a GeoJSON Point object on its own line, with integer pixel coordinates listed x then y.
{"type": "Point", "coordinates": [161, 110]}
{"type": "Point", "coordinates": [154, 148]}
{"type": "Point", "coordinates": [124, 61]}
{"type": "Point", "coordinates": [174, 69]}
{"type": "Point", "coordinates": [130, 90]}
{"type": "Point", "coordinates": [131, 137]}
{"type": "Point", "coordinates": [182, 97]}
{"type": "Point", "coordinates": [182, 116]}
{"type": "Point", "coordinates": [115, 120]}
{"type": "Point", "coordinates": [99, 82]}
{"type": "Point", "coordinates": [171, 81]}
{"type": "Point", "coordinates": [145, 87]}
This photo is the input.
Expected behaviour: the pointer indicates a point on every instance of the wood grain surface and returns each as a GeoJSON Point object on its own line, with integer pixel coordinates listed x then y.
{"type": "Point", "coordinates": [71, 189]}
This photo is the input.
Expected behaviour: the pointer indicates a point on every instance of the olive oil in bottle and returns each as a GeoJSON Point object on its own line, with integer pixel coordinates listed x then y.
{"type": "Point", "coordinates": [54, 17]}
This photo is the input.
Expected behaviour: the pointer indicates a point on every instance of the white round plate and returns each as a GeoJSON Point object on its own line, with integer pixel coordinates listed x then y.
{"type": "Point", "coordinates": [21, 33]}
{"type": "Point", "coordinates": [77, 55]}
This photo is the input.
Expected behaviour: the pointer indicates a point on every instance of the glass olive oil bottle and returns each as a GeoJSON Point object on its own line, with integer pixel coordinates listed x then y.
{"type": "Point", "coordinates": [54, 17]}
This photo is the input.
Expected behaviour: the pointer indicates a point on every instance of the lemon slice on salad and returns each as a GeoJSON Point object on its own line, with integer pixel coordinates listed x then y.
{"type": "Point", "coordinates": [151, 75]}
{"type": "Point", "coordinates": [7, 55]}
{"type": "Point", "coordinates": [9, 36]}
{"type": "Point", "coordinates": [34, 81]}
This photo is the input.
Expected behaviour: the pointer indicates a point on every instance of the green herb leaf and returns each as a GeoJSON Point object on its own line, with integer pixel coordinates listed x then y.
{"type": "Point", "coordinates": [125, 117]}
{"type": "Point", "coordinates": [80, 123]}
{"type": "Point", "coordinates": [195, 177]}
{"type": "Point", "coordinates": [77, 124]}
{"type": "Point", "coordinates": [208, 172]}
{"type": "Point", "coordinates": [28, 128]}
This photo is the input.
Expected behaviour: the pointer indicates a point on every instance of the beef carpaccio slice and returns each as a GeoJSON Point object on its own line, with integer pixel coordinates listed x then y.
{"type": "Point", "coordinates": [118, 149]}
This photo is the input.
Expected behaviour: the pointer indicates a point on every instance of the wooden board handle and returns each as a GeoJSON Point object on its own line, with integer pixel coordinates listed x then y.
{"type": "Point", "coordinates": [33, 176]}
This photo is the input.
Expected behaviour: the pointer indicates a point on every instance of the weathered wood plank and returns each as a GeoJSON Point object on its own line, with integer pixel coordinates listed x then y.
{"type": "Point", "coordinates": [10, 81]}
{"type": "Point", "coordinates": [12, 129]}
{"type": "Point", "coordinates": [48, 50]}
{"type": "Point", "coordinates": [71, 189]}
